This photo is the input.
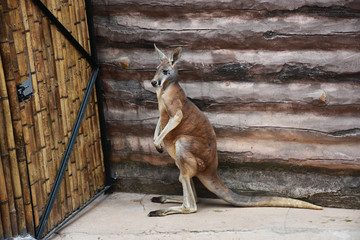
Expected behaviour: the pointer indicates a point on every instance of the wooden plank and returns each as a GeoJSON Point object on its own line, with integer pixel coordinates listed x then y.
{"type": "Point", "coordinates": [341, 155]}
{"type": "Point", "coordinates": [263, 62]}
{"type": "Point", "coordinates": [244, 25]}
{"type": "Point", "coordinates": [244, 119]}
{"type": "Point", "coordinates": [114, 6]}
{"type": "Point", "coordinates": [206, 31]}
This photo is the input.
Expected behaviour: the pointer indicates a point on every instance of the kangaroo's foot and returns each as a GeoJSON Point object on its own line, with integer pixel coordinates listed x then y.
{"type": "Point", "coordinates": [172, 210]}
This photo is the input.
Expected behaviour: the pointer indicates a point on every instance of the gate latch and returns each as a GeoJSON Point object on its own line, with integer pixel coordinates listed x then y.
{"type": "Point", "coordinates": [25, 89]}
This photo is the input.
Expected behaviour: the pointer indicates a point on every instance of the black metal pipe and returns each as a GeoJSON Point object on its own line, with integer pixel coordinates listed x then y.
{"type": "Point", "coordinates": [91, 29]}
{"type": "Point", "coordinates": [99, 94]}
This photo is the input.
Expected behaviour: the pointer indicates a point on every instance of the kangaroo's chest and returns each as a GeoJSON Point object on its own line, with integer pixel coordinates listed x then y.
{"type": "Point", "coordinates": [170, 100]}
{"type": "Point", "coordinates": [164, 116]}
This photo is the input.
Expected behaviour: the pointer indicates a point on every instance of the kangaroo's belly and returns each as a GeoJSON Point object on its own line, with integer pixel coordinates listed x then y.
{"type": "Point", "coordinates": [195, 127]}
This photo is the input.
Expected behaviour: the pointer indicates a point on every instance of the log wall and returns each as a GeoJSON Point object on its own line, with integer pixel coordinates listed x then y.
{"type": "Point", "coordinates": [279, 81]}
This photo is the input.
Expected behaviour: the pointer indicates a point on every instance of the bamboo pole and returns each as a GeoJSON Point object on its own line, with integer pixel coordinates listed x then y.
{"type": "Point", "coordinates": [81, 143]}
{"type": "Point", "coordinates": [7, 222]}
{"type": "Point", "coordinates": [62, 101]}
{"type": "Point", "coordinates": [76, 80]}
{"type": "Point", "coordinates": [40, 147]}
{"type": "Point", "coordinates": [55, 146]}
{"type": "Point", "coordinates": [10, 73]}
{"type": "Point", "coordinates": [10, 222]}
{"type": "Point", "coordinates": [83, 78]}
{"type": "Point", "coordinates": [68, 109]}
{"type": "Point", "coordinates": [15, 30]}
{"type": "Point", "coordinates": [69, 125]}
{"type": "Point", "coordinates": [93, 147]}
{"type": "Point", "coordinates": [85, 75]}
{"type": "Point", "coordinates": [49, 100]}
{"type": "Point", "coordinates": [70, 54]}
{"type": "Point", "coordinates": [94, 110]}
{"type": "Point", "coordinates": [5, 226]}
{"type": "Point", "coordinates": [25, 109]}
{"type": "Point", "coordinates": [4, 204]}
{"type": "Point", "coordinates": [82, 140]}
{"type": "Point", "coordinates": [35, 48]}
{"type": "Point", "coordinates": [1, 224]}
{"type": "Point", "coordinates": [98, 142]}
{"type": "Point", "coordinates": [55, 116]}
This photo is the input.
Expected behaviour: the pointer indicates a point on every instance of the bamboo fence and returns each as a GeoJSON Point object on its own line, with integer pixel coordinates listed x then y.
{"type": "Point", "coordinates": [34, 133]}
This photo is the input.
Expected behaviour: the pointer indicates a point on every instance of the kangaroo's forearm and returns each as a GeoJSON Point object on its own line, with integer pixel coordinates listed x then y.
{"type": "Point", "coordinates": [172, 123]}
{"type": "Point", "coordinates": [157, 129]}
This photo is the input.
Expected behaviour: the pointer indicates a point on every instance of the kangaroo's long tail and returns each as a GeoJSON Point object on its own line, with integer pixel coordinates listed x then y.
{"type": "Point", "coordinates": [214, 184]}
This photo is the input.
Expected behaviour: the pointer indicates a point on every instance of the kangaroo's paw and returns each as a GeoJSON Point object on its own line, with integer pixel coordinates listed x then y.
{"type": "Point", "coordinates": [158, 146]}
{"type": "Point", "coordinates": [159, 149]}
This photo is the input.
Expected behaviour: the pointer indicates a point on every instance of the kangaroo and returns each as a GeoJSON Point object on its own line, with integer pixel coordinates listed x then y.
{"type": "Point", "coordinates": [190, 140]}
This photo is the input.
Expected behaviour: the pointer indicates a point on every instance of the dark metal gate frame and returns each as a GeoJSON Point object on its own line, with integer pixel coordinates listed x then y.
{"type": "Point", "coordinates": [92, 59]}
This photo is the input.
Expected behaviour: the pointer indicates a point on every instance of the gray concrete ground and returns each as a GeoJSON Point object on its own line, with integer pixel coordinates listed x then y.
{"type": "Point", "coordinates": [124, 216]}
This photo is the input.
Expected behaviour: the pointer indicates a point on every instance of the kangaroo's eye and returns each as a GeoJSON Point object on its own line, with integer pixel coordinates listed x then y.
{"type": "Point", "coordinates": [165, 72]}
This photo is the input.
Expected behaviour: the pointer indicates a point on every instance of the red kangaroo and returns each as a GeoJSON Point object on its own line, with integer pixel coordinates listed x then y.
{"type": "Point", "coordinates": [190, 139]}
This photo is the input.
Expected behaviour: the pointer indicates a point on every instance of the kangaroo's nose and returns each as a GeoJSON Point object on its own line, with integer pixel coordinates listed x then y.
{"type": "Point", "coordinates": [154, 83]}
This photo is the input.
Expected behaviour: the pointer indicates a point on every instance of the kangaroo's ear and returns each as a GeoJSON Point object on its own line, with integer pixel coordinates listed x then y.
{"type": "Point", "coordinates": [176, 55]}
{"type": "Point", "coordinates": [161, 55]}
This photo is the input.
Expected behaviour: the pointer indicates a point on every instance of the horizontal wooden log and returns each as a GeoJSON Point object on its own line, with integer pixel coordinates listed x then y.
{"type": "Point", "coordinates": [234, 92]}
{"type": "Point", "coordinates": [340, 155]}
{"type": "Point", "coordinates": [146, 128]}
{"type": "Point", "coordinates": [243, 66]}
{"type": "Point", "coordinates": [321, 188]}
{"type": "Point", "coordinates": [306, 26]}
{"type": "Point", "coordinates": [338, 62]}
{"type": "Point", "coordinates": [245, 119]}
{"type": "Point", "coordinates": [284, 74]}
{"type": "Point", "coordinates": [114, 6]}
{"type": "Point", "coordinates": [236, 163]}
{"type": "Point", "coordinates": [230, 93]}
{"type": "Point", "coordinates": [233, 22]}
{"type": "Point", "coordinates": [206, 39]}
{"type": "Point", "coordinates": [236, 27]}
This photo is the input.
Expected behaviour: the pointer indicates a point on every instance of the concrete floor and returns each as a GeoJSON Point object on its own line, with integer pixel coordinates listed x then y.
{"type": "Point", "coordinates": [124, 216]}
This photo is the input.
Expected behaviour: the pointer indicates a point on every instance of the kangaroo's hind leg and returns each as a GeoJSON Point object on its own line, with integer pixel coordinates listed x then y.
{"type": "Point", "coordinates": [174, 199]}
{"type": "Point", "coordinates": [187, 164]}
{"type": "Point", "coordinates": [188, 203]}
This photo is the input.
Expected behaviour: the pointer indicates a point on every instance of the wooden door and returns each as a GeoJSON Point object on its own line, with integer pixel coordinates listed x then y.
{"type": "Point", "coordinates": [43, 80]}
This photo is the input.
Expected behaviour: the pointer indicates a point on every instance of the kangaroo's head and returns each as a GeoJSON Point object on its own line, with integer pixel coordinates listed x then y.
{"type": "Point", "coordinates": [166, 71]}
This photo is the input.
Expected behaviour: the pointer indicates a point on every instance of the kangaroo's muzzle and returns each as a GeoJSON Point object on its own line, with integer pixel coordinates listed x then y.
{"type": "Point", "coordinates": [155, 83]}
